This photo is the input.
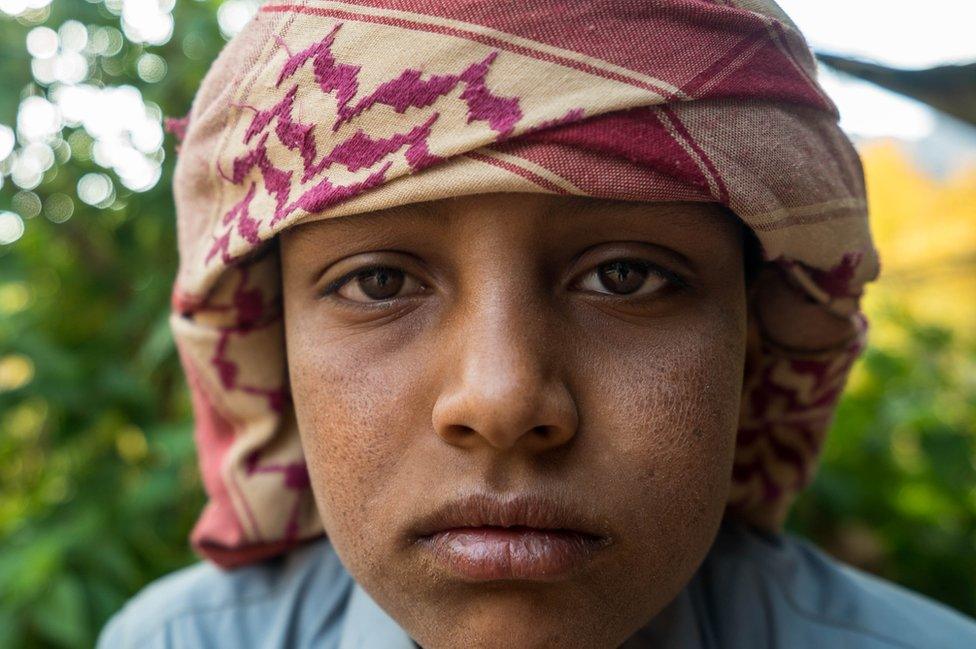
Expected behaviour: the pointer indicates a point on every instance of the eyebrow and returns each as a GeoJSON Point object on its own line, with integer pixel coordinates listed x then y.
{"type": "Point", "coordinates": [360, 229]}
{"type": "Point", "coordinates": [347, 221]}
{"type": "Point", "coordinates": [623, 224]}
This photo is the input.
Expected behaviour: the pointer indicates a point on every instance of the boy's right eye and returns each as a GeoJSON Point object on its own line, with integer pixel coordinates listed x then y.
{"type": "Point", "coordinates": [629, 278]}
{"type": "Point", "coordinates": [372, 284]}
{"type": "Point", "coordinates": [623, 277]}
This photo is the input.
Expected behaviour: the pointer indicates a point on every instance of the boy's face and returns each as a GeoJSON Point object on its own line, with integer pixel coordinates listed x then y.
{"type": "Point", "coordinates": [518, 410]}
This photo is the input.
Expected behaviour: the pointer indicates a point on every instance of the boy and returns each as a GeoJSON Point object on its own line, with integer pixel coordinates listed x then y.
{"type": "Point", "coordinates": [539, 311]}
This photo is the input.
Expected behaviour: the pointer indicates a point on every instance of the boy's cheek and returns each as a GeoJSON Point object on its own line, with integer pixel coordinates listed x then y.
{"type": "Point", "coordinates": [654, 452]}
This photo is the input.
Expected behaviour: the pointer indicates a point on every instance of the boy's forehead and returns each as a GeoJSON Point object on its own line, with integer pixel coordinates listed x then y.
{"type": "Point", "coordinates": [553, 214]}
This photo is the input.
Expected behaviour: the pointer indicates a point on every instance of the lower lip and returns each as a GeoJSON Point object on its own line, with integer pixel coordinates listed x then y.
{"type": "Point", "coordinates": [497, 553]}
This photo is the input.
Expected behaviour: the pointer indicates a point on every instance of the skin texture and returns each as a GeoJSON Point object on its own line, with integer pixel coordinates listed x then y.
{"type": "Point", "coordinates": [504, 363]}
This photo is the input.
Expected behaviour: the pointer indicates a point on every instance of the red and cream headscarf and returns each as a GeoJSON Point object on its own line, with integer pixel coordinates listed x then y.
{"type": "Point", "coordinates": [321, 109]}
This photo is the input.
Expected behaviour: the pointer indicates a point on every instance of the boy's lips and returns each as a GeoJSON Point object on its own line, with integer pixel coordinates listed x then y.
{"type": "Point", "coordinates": [483, 537]}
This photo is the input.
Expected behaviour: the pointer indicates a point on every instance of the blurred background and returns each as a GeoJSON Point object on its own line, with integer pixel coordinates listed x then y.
{"type": "Point", "coordinates": [98, 481]}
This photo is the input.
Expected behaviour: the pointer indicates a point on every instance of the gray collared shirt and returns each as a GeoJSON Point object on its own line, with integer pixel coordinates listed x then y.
{"type": "Point", "coordinates": [752, 591]}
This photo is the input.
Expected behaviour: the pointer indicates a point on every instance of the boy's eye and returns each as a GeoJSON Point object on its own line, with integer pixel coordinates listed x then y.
{"type": "Point", "coordinates": [373, 284]}
{"type": "Point", "coordinates": [625, 277]}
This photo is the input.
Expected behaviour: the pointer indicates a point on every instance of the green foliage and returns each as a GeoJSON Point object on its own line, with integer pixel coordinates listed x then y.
{"type": "Point", "coordinates": [896, 494]}
{"type": "Point", "coordinates": [98, 478]}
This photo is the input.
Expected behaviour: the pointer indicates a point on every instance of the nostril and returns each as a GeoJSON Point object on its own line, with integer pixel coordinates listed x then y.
{"type": "Point", "coordinates": [459, 431]}
{"type": "Point", "coordinates": [550, 436]}
{"type": "Point", "coordinates": [537, 438]}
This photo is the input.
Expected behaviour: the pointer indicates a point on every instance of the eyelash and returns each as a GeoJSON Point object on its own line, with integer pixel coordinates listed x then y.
{"type": "Point", "coordinates": [335, 285]}
{"type": "Point", "coordinates": [673, 280]}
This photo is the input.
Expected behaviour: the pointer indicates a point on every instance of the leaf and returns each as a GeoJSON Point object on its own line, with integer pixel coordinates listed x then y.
{"type": "Point", "coordinates": [61, 614]}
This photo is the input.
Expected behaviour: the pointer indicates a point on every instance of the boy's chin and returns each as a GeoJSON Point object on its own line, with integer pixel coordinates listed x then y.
{"type": "Point", "coordinates": [517, 616]}
{"type": "Point", "coordinates": [512, 631]}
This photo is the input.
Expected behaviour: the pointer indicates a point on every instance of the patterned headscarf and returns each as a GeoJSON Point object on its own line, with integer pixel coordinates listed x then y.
{"type": "Point", "coordinates": [320, 109]}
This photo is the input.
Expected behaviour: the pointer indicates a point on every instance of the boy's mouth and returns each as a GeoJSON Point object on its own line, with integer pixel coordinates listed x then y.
{"type": "Point", "coordinates": [483, 537]}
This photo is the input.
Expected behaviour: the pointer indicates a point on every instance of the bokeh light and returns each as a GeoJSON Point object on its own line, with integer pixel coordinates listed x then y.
{"type": "Point", "coordinates": [7, 141]}
{"type": "Point", "coordinates": [42, 42]}
{"type": "Point", "coordinates": [30, 163]}
{"type": "Point", "coordinates": [13, 7]}
{"type": "Point", "coordinates": [43, 71]}
{"type": "Point", "coordinates": [96, 189]}
{"type": "Point", "coordinates": [37, 119]}
{"type": "Point", "coordinates": [151, 68]}
{"type": "Point", "coordinates": [126, 133]}
{"type": "Point", "coordinates": [58, 55]}
{"type": "Point", "coordinates": [40, 153]}
{"type": "Point", "coordinates": [20, 7]}
{"type": "Point", "coordinates": [58, 208]}
{"type": "Point", "coordinates": [234, 14]}
{"type": "Point", "coordinates": [118, 130]}
{"type": "Point", "coordinates": [147, 21]}
{"type": "Point", "coordinates": [106, 41]}
{"type": "Point", "coordinates": [14, 297]}
{"type": "Point", "coordinates": [80, 144]}
{"type": "Point", "coordinates": [73, 36]}
{"type": "Point", "coordinates": [113, 67]}
{"type": "Point", "coordinates": [131, 444]}
{"type": "Point", "coordinates": [70, 67]}
{"type": "Point", "coordinates": [26, 203]}
{"type": "Point", "coordinates": [62, 152]}
{"type": "Point", "coordinates": [11, 227]}
{"type": "Point", "coordinates": [194, 47]}
{"type": "Point", "coordinates": [28, 169]}
{"type": "Point", "coordinates": [16, 371]}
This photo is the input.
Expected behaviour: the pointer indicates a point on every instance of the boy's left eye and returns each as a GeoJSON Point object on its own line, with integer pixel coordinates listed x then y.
{"type": "Point", "coordinates": [373, 284]}
{"type": "Point", "coordinates": [624, 277]}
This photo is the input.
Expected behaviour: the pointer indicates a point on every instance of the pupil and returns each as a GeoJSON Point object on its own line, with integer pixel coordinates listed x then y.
{"type": "Point", "coordinates": [622, 276]}
{"type": "Point", "coordinates": [381, 283]}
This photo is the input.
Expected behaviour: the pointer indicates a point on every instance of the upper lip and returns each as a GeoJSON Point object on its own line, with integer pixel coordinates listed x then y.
{"type": "Point", "coordinates": [482, 509]}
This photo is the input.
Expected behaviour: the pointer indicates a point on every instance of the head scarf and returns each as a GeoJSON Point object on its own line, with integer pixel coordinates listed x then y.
{"type": "Point", "coordinates": [320, 109]}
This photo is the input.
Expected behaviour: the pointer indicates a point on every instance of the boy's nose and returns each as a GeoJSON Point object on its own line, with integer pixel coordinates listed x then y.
{"type": "Point", "coordinates": [501, 389]}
